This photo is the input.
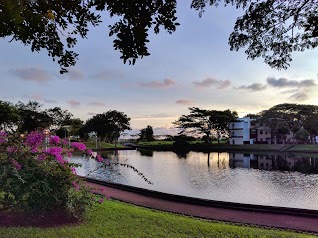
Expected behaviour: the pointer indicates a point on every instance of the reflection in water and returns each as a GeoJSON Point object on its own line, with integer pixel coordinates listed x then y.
{"type": "Point", "coordinates": [273, 179]}
{"type": "Point", "coordinates": [282, 162]}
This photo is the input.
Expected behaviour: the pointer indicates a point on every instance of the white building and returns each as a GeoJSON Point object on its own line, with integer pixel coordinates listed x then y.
{"type": "Point", "coordinates": [240, 131]}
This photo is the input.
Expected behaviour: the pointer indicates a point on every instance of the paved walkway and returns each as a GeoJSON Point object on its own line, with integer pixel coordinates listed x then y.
{"type": "Point", "coordinates": [293, 222]}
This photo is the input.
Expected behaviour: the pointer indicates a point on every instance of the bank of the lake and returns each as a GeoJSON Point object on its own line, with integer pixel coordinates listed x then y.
{"type": "Point", "coordinates": [204, 147]}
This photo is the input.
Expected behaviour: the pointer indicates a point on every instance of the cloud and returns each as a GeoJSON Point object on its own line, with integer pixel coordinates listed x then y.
{"type": "Point", "coordinates": [299, 96]}
{"type": "Point", "coordinates": [184, 102]}
{"type": "Point", "coordinates": [31, 74]}
{"type": "Point", "coordinates": [165, 131]}
{"type": "Point", "coordinates": [167, 83]}
{"type": "Point", "coordinates": [283, 83]}
{"type": "Point", "coordinates": [36, 97]}
{"type": "Point", "coordinates": [107, 75]}
{"type": "Point", "coordinates": [91, 113]}
{"type": "Point", "coordinates": [220, 84]}
{"type": "Point", "coordinates": [39, 97]}
{"type": "Point", "coordinates": [50, 101]}
{"type": "Point", "coordinates": [99, 104]}
{"type": "Point", "coordinates": [154, 116]}
{"type": "Point", "coordinates": [73, 103]}
{"type": "Point", "coordinates": [157, 131]}
{"type": "Point", "coordinates": [74, 74]}
{"type": "Point", "coordinates": [254, 87]}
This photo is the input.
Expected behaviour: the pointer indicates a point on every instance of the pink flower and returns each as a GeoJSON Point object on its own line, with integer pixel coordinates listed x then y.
{"type": "Point", "coordinates": [73, 170]}
{"type": "Point", "coordinates": [76, 186]}
{"type": "Point", "coordinates": [101, 200]}
{"type": "Point", "coordinates": [102, 189]}
{"type": "Point", "coordinates": [34, 139]}
{"type": "Point", "coordinates": [78, 146]}
{"type": "Point", "coordinates": [99, 159]}
{"type": "Point", "coordinates": [12, 149]}
{"type": "Point", "coordinates": [64, 142]}
{"type": "Point", "coordinates": [55, 140]}
{"type": "Point", "coordinates": [34, 150]}
{"type": "Point", "coordinates": [69, 155]}
{"type": "Point", "coordinates": [42, 157]}
{"type": "Point", "coordinates": [16, 165]}
{"type": "Point", "coordinates": [56, 152]}
{"type": "Point", "coordinates": [3, 136]}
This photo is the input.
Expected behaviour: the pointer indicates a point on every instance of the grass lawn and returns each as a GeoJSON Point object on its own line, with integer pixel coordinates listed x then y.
{"type": "Point", "coordinates": [155, 143]}
{"type": "Point", "coordinates": [116, 219]}
{"type": "Point", "coordinates": [104, 145]}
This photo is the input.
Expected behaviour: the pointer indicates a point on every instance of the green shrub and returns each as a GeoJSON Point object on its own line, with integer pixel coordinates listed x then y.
{"type": "Point", "coordinates": [39, 180]}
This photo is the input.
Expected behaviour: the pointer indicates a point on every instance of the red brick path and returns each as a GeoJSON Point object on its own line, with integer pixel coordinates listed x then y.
{"type": "Point", "coordinates": [294, 222]}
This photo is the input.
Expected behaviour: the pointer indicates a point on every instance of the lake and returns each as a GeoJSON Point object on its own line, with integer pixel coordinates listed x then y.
{"type": "Point", "coordinates": [263, 179]}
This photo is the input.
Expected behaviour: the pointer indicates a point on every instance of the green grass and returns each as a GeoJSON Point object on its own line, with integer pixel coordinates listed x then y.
{"type": "Point", "coordinates": [303, 147]}
{"type": "Point", "coordinates": [116, 219]}
{"type": "Point", "coordinates": [102, 145]}
{"type": "Point", "coordinates": [155, 143]}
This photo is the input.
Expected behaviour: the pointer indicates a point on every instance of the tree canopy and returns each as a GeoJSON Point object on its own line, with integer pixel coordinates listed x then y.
{"type": "Point", "coordinates": [201, 121]}
{"type": "Point", "coordinates": [146, 134]}
{"type": "Point", "coordinates": [295, 117]}
{"type": "Point", "coordinates": [269, 29]}
{"type": "Point", "coordinates": [55, 25]}
{"type": "Point", "coordinates": [108, 125]}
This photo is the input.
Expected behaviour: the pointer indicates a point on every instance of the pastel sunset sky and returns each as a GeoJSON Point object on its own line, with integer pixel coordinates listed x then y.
{"type": "Point", "coordinates": [192, 67]}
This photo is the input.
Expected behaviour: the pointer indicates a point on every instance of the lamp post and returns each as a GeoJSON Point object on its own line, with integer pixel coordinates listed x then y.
{"type": "Point", "coordinates": [46, 132]}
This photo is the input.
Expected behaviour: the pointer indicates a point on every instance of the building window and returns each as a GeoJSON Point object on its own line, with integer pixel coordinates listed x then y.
{"type": "Point", "coordinates": [261, 139]}
{"type": "Point", "coordinates": [261, 131]}
{"type": "Point", "coordinates": [233, 126]}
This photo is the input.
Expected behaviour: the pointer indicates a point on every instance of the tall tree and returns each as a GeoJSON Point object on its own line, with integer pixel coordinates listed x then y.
{"type": "Point", "coordinates": [270, 29]}
{"type": "Point", "coordinates": [146, 134]}
{"type": "Point", "coordinates": [290, 115]}
{"type": "Point", "coordinates": [32, 117]}
{"type": "Point", "coordinates": [108, 125]}
{"type": "Point", "coordinates": [59, 117]}
{"type": "Point", "coordinates": [9, 116]}
{"type": "Point", "coordinates": [201, 121]}
{"type": "Point", "coordinates": [311, 125]}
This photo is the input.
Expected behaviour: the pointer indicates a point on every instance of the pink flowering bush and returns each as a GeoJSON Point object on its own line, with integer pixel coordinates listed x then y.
{"type": "Point", "coordinates": [55, 140]}
{"type": "Point", "coordinates": [36, 179]}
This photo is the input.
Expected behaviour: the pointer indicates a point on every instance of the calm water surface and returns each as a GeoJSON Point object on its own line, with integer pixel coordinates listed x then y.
{"type": "Point", "coordinates": [276, 180]}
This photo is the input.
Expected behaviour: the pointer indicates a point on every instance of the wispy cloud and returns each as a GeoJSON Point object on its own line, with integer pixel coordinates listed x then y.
{"type": "Point", "coordinates": [50, 101]}
{"type": "Point", "coordinates": [91, 113]}
{"type": "Point", "coordinates": [73, 103]}
{"type": "Point", "coordinates": [284, 82]}
{"type": "Point", "coordinates": [184, 102]}
{"type": "Point", "coordinates": [299, 96]}
{"type": "Point", "coordinates": [166, 83]}
{"type": "Point", "coordinates": [254, 87]}
{"type": "Point", "coordinates": [98, 104]}
{"type": "Point", "coordinates": [154, 116]}
{"type": "Point", "coordinates": [31, 74]}
{"type": "Point", "coordinates": [220, 84]}
{"type": "Point", "coordinates": [108, 75]}
{"type": "Point", "coordinates": [74, 74]}
{"type": "Point", "coordinates": [39, 98]}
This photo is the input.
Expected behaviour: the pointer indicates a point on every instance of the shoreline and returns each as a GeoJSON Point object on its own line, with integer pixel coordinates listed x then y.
{"type": "Point", "coordinates": [287, 148]}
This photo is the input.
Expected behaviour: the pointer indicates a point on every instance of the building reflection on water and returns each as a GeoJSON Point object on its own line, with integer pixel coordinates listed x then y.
{"type": "Point", "coordinates": [283, 162]}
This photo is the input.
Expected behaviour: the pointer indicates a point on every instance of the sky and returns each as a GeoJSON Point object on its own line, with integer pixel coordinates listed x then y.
{"type": "Point", "coordinates": [193, 67]}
